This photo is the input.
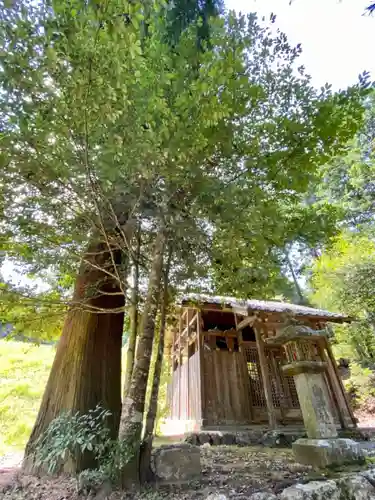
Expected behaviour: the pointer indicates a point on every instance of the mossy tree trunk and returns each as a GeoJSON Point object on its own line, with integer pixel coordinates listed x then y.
{"type": "Point", "coordinates": [145, 472]}
{"type": "Point", "coordinates": [134, 403]}
{"type": "Point", "coordinates": [86, 370]}
{"type": "Point", "coordinates": [130, 354]}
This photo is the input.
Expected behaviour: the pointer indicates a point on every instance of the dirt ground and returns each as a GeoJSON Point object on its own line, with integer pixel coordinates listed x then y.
{"type": "Point", "coordinates": [233, 471]}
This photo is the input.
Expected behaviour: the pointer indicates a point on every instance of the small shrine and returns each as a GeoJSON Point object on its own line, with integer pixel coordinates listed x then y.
{"type": "Point", "coordinates": [245, 363]}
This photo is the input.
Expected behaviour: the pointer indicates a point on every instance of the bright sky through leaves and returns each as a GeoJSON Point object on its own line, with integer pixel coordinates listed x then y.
{"type": "Point", "coordinates": [337, 39]}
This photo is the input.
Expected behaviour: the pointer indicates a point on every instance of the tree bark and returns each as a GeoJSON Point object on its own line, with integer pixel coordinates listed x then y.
{"type": "Point", "coordinates": [133, 318]}
{"type": "Point", "coordinates": [295, 281]}
{"type": "Point", "coordinates": [87, 367]}
{"type": "Point", "coordinates": [134, 403]}
{"type": "Point", "coordinates": [145, 472]}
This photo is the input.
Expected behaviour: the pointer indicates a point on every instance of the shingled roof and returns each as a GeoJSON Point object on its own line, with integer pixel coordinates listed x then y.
{"type": "Point", "coordinates": [253, 305]}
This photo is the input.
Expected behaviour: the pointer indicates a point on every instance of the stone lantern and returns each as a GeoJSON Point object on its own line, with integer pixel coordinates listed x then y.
{"type": "Point", "coordinates": [322, 447]}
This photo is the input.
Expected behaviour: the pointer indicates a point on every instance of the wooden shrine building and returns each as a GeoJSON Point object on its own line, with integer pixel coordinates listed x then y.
{"type": "Point", "coordinates": [225, 373]}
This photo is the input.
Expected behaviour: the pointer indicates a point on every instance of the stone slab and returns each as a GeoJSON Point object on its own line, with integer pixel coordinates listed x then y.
{"type": "Point", "coordinates": [263, 495]}
{"type": "Point", "coordinates": [356, 488]}
{"type": "Point", "coordinates": [322, 453]}
{"type": "Point", "coordinates": [315, 490]}
{"type": "Point", "coordinates": [176, 463]}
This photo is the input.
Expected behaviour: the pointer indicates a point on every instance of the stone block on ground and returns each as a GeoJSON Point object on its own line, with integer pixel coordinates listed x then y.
{"type": "Point", "coordinates": [203, 437]}
{"type": "Point", "coordinates": [176, 463]}
{"type": "Point", "coordinates": [368, 448]}
{"type": "Point", "coordinates": [316, 490]}
{"type": "Point", "coordinates": [369, 475]}
{"type": "Point", "coordinates": [322, 453]}
{"type": "Point", "coordinates": [215, 438]}
{"type": "Point", "coordinates": [275, 439]}
{"type": "Point", "coordinates": [248, 438]}
{"type": "Point", "coordinates": [263, 495]}
{"type": "Point", "coordinates": [192, 439]}
{"type": "Point", "coordinates": [356, 487]}
{"type": "Point", "coordinates": [228, 438]}
{"type": "Point", "coordinates": [354, 433]}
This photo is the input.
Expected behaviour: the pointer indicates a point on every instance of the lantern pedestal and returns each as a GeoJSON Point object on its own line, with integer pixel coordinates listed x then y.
{"type": "Point", "coordinates": [313, 398]}
{"type": "Point", "coordinates": [322, 447]}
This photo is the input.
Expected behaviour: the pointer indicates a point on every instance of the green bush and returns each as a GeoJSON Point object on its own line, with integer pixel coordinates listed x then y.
{"type": "Point", "coordinates": [70, 433]}
{"type": "Point", "coordinates": [360, 385]}
{"type": "Point", "coordinates": [355, 341]}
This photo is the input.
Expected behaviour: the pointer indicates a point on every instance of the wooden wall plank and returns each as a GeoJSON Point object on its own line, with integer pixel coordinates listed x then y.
{"type": "Point", "coordinates": [265, 377]}
{"type": "Point", "coordinates": [343, 396]}
{"type": "Point", "coordinates": [226, 388]}
{"type": "Point", "coordinates": [200, 374]}
{"type": "Point", "coordinates": [195, 393]}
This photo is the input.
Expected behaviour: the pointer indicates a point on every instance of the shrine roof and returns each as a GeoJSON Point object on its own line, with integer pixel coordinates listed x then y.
{"type": "Point", "coordinates": [246, 306]}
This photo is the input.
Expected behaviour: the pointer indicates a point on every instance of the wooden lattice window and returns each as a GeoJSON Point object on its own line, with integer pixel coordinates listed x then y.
{"type": "Point", "coordinates": [292, 392]}
{"type": "Point", "coordinates": [291, 396]}
{"type": "Point", "coordinates": [256, 385]}
{"type": "Point", "coordinates": [255, 376]}
{"type": "Point", "coordinates": [286, 395]}
{"type": "Point", "coordinates": [276, 396]}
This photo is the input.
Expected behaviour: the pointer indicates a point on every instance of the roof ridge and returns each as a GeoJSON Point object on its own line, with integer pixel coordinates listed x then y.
{"type": "Point", "coordinates": [260, 304]}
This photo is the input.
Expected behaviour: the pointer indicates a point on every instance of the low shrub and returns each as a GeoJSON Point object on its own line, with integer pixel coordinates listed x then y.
{"type": "Point", "coordinates": [70, 433]}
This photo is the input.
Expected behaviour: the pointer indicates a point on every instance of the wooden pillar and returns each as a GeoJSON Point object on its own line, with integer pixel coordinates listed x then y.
{"type": "Point", "coordinates": [341, 385]}
{"type": "Point", "coordinates": [200, 343]}
{"type": "Point", "coordinates": [279, 385]}
{"type": "Point", "coordinates": [328, 374]}
{"type": "Point", "coordinates": [173, 403]}
{"type": "Point", "coordinates": [239, 334]}
{"type": "Point", "coordinates": [265, 376]}
{"type": "Point", "coordinates": [190, 313]}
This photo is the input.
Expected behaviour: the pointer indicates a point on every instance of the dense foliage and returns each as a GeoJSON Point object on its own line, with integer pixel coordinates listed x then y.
{"type": "Point", "coordinates": [102, 121]}
{"type": "Point", "coordinates": [343, 277]}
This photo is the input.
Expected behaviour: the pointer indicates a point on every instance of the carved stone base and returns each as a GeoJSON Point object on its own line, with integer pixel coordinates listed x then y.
{"type": "Point", "coordinates": [322, 453]}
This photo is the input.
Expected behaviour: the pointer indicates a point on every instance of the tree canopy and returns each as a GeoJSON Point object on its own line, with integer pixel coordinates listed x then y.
{"type": "Point", "coordinates": [99, 122]}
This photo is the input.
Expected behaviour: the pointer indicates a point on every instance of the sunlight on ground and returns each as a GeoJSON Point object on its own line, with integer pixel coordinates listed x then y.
{"type": "Point", "coordinates": [171, 427]}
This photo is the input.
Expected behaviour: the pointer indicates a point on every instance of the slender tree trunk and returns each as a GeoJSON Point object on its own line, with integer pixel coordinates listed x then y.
{"type": "Point", "coordinates": [146, 474]}
{"type": "Point", "coordinates": [87, 367]}
{"type": "Point", "coordinates": [295, 281]}
{"type": "Point", "coordinates": [133, 318]}
{"type": "Point", "coordinates": [134, 403]}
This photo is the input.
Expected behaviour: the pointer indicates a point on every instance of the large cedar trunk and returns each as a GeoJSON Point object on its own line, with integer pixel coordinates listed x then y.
{"type": "Point", "coordinates": [134, 403]}
{"type": "Point", "coordinates": [87, 367]}
{"type": "Point", "coordinates": [145, 472]}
